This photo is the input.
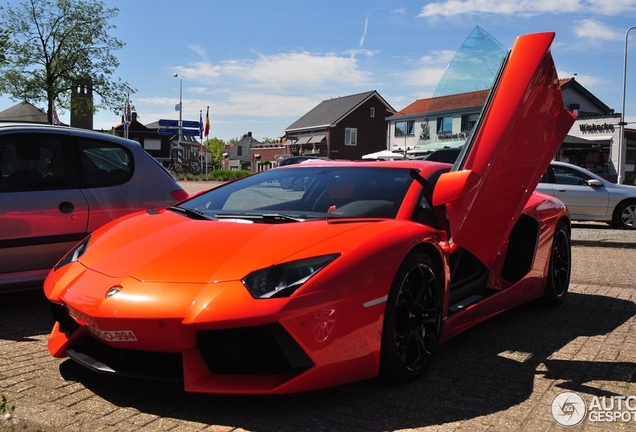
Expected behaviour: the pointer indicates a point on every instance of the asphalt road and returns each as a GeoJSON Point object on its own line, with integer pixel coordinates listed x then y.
{"type": "Point", "coordinates": [501, 375]}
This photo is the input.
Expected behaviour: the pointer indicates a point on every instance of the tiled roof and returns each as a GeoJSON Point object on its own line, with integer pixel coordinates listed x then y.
{"type": "Point", "coordinates": [477, 99]}
{"type": "Point", "coordinates": [445, 103]}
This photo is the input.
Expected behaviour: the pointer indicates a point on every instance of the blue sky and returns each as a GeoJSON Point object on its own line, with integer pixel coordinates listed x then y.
{"type": "Point", "coordinates": [260, 65]}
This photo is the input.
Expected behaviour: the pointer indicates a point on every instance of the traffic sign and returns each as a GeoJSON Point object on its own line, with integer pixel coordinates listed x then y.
{"type": "Point", "coordinates": [190, 132]}
{"type": "Point", "coordinates": [190, 124]}
{"type": "Point", "coordinates": [168, 131]}
{"type": "Point", "coordinates": [170, 123]}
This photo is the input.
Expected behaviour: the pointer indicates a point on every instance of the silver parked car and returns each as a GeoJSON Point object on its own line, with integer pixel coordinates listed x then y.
{"type": "Point", "coordinates": [58, 184]}
{"type": "Point", "coordinates": [589, 197]}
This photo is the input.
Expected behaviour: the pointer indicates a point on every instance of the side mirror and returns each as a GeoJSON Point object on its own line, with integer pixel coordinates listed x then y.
{"type": "Point", "coordinates": [594, 183]}
{"type": "Point", "coordinates": [453, 185]}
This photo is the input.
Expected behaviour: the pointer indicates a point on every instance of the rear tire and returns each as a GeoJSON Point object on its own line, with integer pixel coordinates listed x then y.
{"type": "Point", "coordinates": [558, 280]}
{"type": "Point", "coordinates": [412, 320]}
{"type": "Point", "coordinates": [625, 215]}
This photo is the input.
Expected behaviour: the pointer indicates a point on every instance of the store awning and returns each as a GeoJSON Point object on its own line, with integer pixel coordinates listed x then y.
{"type": "Point", "coordinates": [573, 142]}
{"type": "Point", "coordinates": [303, 139]}
{"type": "Point", "coordinates": [317, 138]}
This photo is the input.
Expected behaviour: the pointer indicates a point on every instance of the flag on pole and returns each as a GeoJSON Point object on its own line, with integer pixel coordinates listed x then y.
{"type": "Point", "coordinates": [201, 124]}
{"type": "Point", "coordinates": [207, 122]}
{"type": "Point", "coordinates": [177, 106]}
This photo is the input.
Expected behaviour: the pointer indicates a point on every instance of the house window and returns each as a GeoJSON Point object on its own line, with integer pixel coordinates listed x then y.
{"type": "Point", "coordinates": [351, 136]}
{"type": "Point", "coordinates": [468, 121]}
{"type": "Point", "coordinates": [372, 114]}
{"type": "Point", "coordinates": [405, 128]}
{"type": "Point", "coordinates": [239, 151]}
{"type": "Point", "coordinates": [444, 124]}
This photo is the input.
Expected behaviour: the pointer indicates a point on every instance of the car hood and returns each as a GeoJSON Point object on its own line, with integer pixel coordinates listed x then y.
{"type": "Point", "coordinates": [169, 247]}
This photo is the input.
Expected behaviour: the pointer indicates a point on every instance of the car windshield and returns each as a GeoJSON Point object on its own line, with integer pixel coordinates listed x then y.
{"type": "Point", "coordinates": [306, 192]}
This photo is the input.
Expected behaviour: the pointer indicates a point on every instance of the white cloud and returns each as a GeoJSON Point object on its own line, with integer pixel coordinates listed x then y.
{"type": "Point", "coordinates": [450, 8]}
{"type": "Point", "coordinates": [438, 57]}
{"type": "Point", "coordinates": [596, 31]}
{"type": "Point", "coordinates": [423, 78]}
{"type": "Point", "coordinates": [296, 72]}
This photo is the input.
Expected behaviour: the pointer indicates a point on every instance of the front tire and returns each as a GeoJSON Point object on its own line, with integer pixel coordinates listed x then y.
{"type": "Point", "coordinates": [625, 215]}
{"type": "Point", "coordinates": [412, 320]}
{"type": "Point", "coordinates": [558, 280]}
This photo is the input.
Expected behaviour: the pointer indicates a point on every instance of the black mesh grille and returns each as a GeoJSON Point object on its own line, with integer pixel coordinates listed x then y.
{"type": "Point", "coordinates": [267, 349]}
{"type": "Point", "coordinates": [138, 364]}
{"type": "Point", "coordinates": [60, 314]}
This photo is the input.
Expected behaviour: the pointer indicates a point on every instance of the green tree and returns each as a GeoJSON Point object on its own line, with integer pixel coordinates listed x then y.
{"type": "Point", "coordinates": [56, 45]}
{"type": "Point", "coordinates": [4, 39]}
{"type": "Point", "coordinates": [215, 146]}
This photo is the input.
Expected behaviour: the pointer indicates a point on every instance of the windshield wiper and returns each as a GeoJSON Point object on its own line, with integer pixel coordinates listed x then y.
{"type": "Point", "coordinates": [191, 213]}
{"type": "Point", "coordinates": [266, 217]}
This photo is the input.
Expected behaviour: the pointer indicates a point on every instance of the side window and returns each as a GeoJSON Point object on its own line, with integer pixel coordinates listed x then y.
{"type": "Point", "coordinates": [32, 162]}
{"type": "Point", "coordinates": [568, 176]}
{"type": "Point", "coordinates": [103, 163]}
{"type": "Point", "coordinates": [424, 213]}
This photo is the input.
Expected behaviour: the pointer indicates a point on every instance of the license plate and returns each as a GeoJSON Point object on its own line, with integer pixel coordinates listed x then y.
{"type": "Point", "coordinates": [114, 336]}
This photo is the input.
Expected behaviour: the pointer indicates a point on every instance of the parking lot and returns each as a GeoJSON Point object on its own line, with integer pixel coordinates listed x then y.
{"type": "Point", "coordinates": [501, 375]}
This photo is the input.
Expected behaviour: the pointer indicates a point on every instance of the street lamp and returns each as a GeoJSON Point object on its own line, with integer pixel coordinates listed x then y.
{"type": "Point", "coordinates": [405, 128]}
{"type": "Point", "coordinates": [621, 138]}
{"type": "Point", "coordinates": [176, 75]}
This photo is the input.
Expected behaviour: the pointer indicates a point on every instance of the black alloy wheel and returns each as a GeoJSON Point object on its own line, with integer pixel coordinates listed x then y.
{"type": "Point", "coordinates": [558, 280]}
{"type": "Point", "coordinates": [413, 320]}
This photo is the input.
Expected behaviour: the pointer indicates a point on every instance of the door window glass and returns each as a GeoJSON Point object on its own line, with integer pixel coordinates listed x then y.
{"type": "Point", "coordinates": [568, 176]}
{"type": "Point", "coordinates": [104, 164]}
{"type": "Point", "coordinates": [31, 162]}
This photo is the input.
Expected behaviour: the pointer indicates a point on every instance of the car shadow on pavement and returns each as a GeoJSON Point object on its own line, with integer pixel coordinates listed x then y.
{"type": "Point", "coordinates": [25, 314]}
{"type": "Point", "coordinates": [607, 244]}
{"type": "Point", "coordinates": [485, 370]}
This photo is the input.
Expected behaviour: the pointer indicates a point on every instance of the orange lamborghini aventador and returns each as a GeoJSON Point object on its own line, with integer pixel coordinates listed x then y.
{"type": "Point", "coordinates": [363, 272]}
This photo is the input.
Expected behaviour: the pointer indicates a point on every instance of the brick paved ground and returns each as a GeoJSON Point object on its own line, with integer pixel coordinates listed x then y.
{"type": "Point", "coordinates": [500, 376]}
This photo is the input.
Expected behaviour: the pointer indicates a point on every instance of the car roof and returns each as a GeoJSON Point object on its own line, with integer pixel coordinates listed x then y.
{"type": "Point", "coordinates": [87, 133]}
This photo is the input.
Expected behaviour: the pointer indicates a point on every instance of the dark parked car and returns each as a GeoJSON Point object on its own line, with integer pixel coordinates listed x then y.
{"type": "Point", "coordinates": [448, 155]}
{"type": "Point", "coordinates": [57, 184]}
{"type": "Point", "coordinates": [291, 160]}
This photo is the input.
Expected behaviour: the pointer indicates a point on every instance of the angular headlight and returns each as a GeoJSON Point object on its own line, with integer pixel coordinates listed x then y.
{"type": "Point", "coordinates": [284, 279]}
{"type": "Point", "coordinates": [74, 254]}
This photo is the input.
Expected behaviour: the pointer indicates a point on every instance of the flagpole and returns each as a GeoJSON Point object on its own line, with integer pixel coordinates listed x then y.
{"type": "Point", "coordinates": [207, 131]}
{"type": "Point", "coordinates": [201, 138]}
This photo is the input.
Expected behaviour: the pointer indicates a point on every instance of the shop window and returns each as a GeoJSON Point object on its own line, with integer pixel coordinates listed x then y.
{"type": "Point", "coordinates": [404, 128]}
{"type": "Point", "coordinates": [444, 124]}
{"type": "Point", "coordinates": [468, 121]}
